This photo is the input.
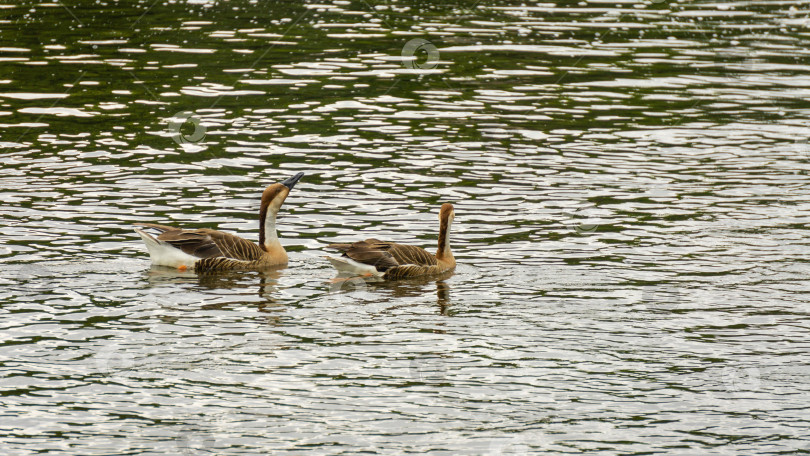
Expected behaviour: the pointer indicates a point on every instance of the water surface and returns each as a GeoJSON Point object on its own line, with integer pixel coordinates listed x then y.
{"type": "Point", "coordinates": [631, 203]}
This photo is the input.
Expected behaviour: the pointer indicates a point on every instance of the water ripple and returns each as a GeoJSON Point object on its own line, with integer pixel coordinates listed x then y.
{"type": "Point", "coordinates": [630, 194]}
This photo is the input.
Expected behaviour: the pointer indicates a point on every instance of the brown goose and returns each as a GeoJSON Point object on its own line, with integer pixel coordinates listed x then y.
{"type": "Point", "coordinates": [390, 260]}
{"type": "Point", "coordinates": [211, 250]}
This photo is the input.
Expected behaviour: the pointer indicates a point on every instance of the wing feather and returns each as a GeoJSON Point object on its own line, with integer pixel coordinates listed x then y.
{"type": "Point", "coordinates": [410, 270]}
{"type": "Point", "coordinates": [220, 264]}
{"type": "Point", "coordinates": [369, 253]}
{"type": "Point", "coordinates": [410, 254]}
{"type": "Point", "coordinates": [206, 243]}
{"type": "Point", "coordinates": [385, 255]}
{"type": "Point", "coordinates": [235, 247]}
{"type": "Point", "coordinates": [155, 226]}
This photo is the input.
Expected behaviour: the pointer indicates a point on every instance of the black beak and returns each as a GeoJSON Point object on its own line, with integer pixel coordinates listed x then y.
{"type": "Point", "coordinates": [290, 183]}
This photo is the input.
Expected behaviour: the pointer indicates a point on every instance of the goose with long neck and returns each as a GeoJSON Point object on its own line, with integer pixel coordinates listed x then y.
{"type": "Point", "coordinates": [390, 260]}
{"type": "Point", "coordinates": [272, 198]}
{"type": "Point", "coordinates": [211, 250]}
{"type": "Point", "coordinates": [446, 215]}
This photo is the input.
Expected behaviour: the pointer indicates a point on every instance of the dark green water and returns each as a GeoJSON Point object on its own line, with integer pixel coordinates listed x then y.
{"type": "Point", "coordinates": [630, 184]}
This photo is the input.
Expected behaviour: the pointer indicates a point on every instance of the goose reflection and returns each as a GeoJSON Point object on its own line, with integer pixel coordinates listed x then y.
{"type": "Point", "coordinates": [443, 297]}
{"type": "Point", "coordinates": [386, 293]}
{"type": "Point", "coordinates": [236, 281]}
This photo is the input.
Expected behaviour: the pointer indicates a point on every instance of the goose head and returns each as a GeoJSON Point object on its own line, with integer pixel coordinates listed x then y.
{"type": "Point", "coordinates": [446, 214]}
{"type": "Point", "coordinates": [275, 194]}
{"type": "Point", "coordinates": [272, 199]}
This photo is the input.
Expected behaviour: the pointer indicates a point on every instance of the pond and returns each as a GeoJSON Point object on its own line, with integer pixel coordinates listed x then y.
{"type": "Point", "coordinates": [631, 198]}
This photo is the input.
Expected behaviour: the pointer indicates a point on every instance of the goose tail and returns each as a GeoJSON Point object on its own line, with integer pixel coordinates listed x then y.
{"type": "Point", "coordinates": [163, 254]}
{"type": "Point", "coordinates": [152, 244]}
{"type": "Point", "coordinates": [346, 265]}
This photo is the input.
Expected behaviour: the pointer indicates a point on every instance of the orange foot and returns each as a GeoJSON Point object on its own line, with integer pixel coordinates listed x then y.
{"type": "Point", "coordinates": [343, 279]}
{"type": "Point", "coordinates": [182, 268]}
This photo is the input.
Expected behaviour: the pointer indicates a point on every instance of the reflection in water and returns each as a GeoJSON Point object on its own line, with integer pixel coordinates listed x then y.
{"type": "Point", "coordinates": [387, 295]}
{"type": "Point", "coordinates": [266, 279]}
{"type": "Point", "coordinates": [632, 198]}
{"type": "Point", "coordinates": [160, 275]}
{"type": "Point", "coordinates": [443, 297]}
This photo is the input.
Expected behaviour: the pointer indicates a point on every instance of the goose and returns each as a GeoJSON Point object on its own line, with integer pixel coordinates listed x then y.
{"type": "Point", "coordinates": [389, 260]}
{"type": "Point", "coordinates": [210, 250]}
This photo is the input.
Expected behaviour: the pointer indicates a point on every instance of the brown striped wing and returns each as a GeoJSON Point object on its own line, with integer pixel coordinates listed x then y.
{"type": "Point", "coordinates": [410, 254]}
{"type": "Point", "coordinates": [385, 255]}
{"type": "Point", "coordinates": [235, 247]}
{"type": "Point", "coordinates": [413, 262]}
{"type": "Point", "coordinates": [368, 252]}
{"type": "Point", "coordinates": [214, 264]}
{"type": "Point", "coordinates": [406, 271]}
{"type": "Point", "coordinates": [205, 243]}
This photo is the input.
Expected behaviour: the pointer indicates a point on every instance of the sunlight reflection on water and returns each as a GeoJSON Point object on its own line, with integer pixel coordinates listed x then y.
{"type": "Point", "coordinates": [629, 185]}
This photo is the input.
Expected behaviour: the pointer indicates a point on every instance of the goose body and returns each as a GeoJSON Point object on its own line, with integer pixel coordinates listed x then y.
{"type": "Point", "coordinates": [211, 250]}
{"type": "Point", "coordinates": [390, 260]}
